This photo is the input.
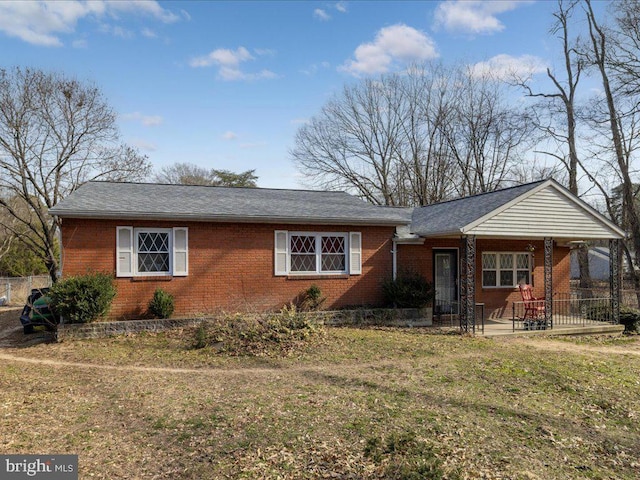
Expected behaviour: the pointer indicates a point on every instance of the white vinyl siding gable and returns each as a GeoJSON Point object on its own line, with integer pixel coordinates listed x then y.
{"type": "Point", "coordinates": [152, 251]}
{"type": "Point", "coordinates": [546, 213]}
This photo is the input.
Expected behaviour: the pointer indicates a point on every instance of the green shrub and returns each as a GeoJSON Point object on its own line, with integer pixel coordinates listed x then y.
{"type": "Point", "coordinates": [161, 305]}
{"type": "Point", "coordinates": [408, 290]}
{"type": "Point", "coordinates": [200, 340]}
{"type": "Point", "coordinates": [312, 298]}
{"type": "Point", "coordinates": [83, 298]}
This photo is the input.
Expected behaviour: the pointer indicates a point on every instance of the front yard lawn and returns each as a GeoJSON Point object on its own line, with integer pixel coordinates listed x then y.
{"type": "Point", "coordinates": [353, 403]}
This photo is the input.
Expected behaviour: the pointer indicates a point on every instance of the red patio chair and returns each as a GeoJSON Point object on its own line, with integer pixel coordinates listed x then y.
{"type": "Point", "coordinates": [534, 318]}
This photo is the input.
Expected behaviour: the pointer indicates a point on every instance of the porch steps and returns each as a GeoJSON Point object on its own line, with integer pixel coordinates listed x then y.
{"type": "Point", "coordinates": [503, 329]}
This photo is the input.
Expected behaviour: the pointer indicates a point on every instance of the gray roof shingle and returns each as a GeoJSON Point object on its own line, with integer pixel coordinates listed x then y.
{"type": "Point", "coordinates": [157, 201]}
{"type": "Point", "coordinates": [448, 218]}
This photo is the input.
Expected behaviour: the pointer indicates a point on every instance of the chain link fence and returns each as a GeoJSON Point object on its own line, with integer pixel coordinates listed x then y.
{"type": "Point", "coordinates": [15, 290]}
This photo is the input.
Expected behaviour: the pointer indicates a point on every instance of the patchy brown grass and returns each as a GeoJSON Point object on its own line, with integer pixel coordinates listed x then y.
{"type": "Point", "coordinates": [352, 403]}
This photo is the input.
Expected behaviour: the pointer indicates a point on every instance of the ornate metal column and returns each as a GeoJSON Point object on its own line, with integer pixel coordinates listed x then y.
{"type": "Point", "coordinates": [614, 279]}
{"type": "Point", "coordinates": [548, 281]}
{"type": "Point", "coordinates": [468, 284]}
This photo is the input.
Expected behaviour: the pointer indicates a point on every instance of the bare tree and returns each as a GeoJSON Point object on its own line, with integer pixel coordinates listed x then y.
{"type": "Point", "coordinates": [190, 174]}
{"type": "Point", "coordinates": [352, 142]}
{"type": "Point", "coordinates": [55, 134]}
{"type": "Point", "coordinates": [415, 138]}
{"type": "Point", "coordinates": [617, 110]}
{"type": "Point", "coordinates": [486, 136]}
{"type": "Point", "coordinates": [425, 163]}
{"type": "Point", "coordinates": [556, 117]}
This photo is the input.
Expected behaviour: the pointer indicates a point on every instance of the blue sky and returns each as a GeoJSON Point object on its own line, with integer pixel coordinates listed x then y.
{"type": "Point", "coordinates": [227, 84]}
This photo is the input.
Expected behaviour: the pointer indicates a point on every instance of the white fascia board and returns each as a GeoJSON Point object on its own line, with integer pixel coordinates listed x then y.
{"type": "Point", "coordinates": [228, 218]}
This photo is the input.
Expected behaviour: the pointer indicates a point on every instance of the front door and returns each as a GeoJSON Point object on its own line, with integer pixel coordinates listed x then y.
{"type": "Point", "coordinates": [445, 274]}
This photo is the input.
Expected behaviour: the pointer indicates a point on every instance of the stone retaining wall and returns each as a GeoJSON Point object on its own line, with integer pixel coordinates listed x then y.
{"type": "Point", "coordinates": [409, 317]}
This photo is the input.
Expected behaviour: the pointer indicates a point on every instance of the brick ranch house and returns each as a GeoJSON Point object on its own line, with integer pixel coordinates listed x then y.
{"type": "Point", "coordinates": [252, 249]}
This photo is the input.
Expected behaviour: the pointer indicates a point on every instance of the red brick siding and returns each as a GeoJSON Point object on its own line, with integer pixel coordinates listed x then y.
{"type": "Point", "coordinates": [498, 301]}
{"type": "Point", "coordinates": [231, 267]}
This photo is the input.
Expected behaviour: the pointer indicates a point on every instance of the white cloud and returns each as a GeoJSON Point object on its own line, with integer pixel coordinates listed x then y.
{"type": "Point", "coordinates": [321, 14]}
{"type": "Point", "coordinates": [229, 135]}
{"type": "Point", "coordinates": [42, 23]}
{"type": "Point", "coordinates": [147, 32]}
{"type": "Point", "coordinates": [146, 120]}
{"type": "Point", "coordinates": [508, 67]}
{"type": "Point", "coordinates": [393, 46]}
{"type": "Point", "coordinates": [229, 62]}
{"type": "Point", "coordinates": [341, 7]}
{"type": "Point", "coordinates": [223, 57]}
{"type": "Point", "coordinates": [474, 16]}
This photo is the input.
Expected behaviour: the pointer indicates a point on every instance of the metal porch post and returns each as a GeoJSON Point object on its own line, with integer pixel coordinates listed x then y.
{"type": "Point", "coordinates": [468, 284]}
{"type": "Point", "coordinates": [548, 281]}
{"type": "Point", "coordinates": [614, 279]}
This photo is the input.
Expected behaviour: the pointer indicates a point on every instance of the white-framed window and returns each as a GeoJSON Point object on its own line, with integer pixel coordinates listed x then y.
{"type": "Point", "coordinates": [143, 251]}
{"type": "Point", "coordinates": [319, 253]}
{"type": "Point", "coordinates": [505, 269]}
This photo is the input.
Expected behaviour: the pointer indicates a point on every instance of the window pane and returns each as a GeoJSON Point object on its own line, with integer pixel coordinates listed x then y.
{"type": "Point", "coordinates": [303, 244]}
{"type": "Point", "coordinates": [153, 252]}
{"type": "Point", "coordinates": [332, 244]}
{"type": "Point", "coordinates": [506, 278]}
{"type": "Point", "coordinates": [333, 254]}
{"type": "Point", "coordinates": [506, 261]}
{"type": "Point", "coordinates": [153, 262]}
{"type": "Point", "coordinates": [488, 261]}
{"type": "Point", "coordinates": [153, 242]}
{"type": "Point", "coordinates": [333, 263]}
{"type": "Point", "coordinates": [522, 261]}
{"type": "Point", "coordinates": [489, 278]}
{"type": "Point", "coordinates": [523, 276]}
{"type": "Point", "coordinates": [303, 263]}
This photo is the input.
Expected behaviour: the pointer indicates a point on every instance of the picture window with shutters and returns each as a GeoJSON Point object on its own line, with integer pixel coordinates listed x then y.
{"type": "Point", "coordinates": [152, 251]}
{"type": "Point", "coordinates": [305, 253]}
{"type": "Point", "coordinates": [505, 269]}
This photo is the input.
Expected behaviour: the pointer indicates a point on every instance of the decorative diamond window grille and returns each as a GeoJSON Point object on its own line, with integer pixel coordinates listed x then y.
{"type": "Point", "coordinates": [153, 252]}
{"type": "Point", "coordinates": [303, 253]}
{"type": "Point", "coordinates": [505, 269]}
{"type": "Point", "coordinates": [333, 254]}
{"type": "Point", "coordinates": [317, 253]}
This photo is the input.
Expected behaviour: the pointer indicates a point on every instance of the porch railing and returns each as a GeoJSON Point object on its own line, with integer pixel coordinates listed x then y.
{"type": "Point", "coordinates": [446, 313]}
{"type": "Point", "coordinates": [566, 310]}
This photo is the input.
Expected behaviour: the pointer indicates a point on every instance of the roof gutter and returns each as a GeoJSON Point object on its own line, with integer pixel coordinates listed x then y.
{"type": "Point", "coordinates": [227, 218]}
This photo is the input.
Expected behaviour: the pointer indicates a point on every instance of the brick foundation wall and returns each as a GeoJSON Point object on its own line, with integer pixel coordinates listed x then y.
{"type": "Point", "coordinates": [498, 301]}
{"type": "Point", "coordinates": [231, 267]}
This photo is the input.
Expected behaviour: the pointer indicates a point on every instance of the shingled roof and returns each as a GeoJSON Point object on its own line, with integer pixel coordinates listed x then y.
{"type": "Point", "coordinates": [452, 216]}
{"type": "Point", "coordinates": [199, 203]}
{"type": "Point", "coordinates": [534, 210]}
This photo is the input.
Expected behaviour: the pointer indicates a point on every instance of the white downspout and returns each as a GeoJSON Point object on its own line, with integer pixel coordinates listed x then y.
{"type": "Point", "coordinates": [394, 260]}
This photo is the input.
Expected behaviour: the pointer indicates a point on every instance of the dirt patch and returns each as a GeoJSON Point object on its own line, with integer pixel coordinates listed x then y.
{"type": "Point", "coordinates": [11, 332]}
